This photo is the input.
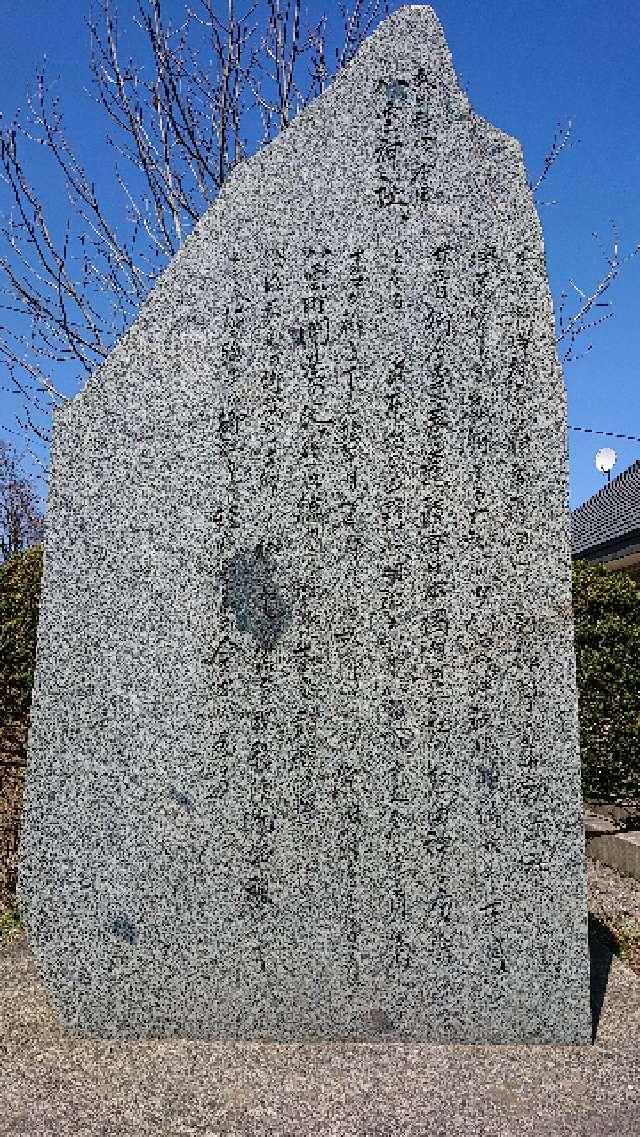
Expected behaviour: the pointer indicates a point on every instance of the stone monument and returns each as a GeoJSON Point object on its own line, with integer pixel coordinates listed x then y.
{"type": "Point", "coordinates": [303, 760]}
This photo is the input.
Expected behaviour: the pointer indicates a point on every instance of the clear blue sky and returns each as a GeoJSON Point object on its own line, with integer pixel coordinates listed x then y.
{"type": "Point", "coordinates": [525, 67]}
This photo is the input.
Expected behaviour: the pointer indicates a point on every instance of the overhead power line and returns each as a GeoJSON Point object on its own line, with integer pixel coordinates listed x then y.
{"type": "Point", "coordinates": [606, 433]}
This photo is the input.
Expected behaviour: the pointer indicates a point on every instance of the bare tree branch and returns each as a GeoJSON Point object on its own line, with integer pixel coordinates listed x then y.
{"type": "Point", "coordinates": [560, 142]}
{"type": "Point", "coordinates": [358, 23]}
{"type": "Point", "coordinates": [575, 325]}
{"type": "Point", "coordinates": [275, 87]}
{"type": "Point", "coordinates": [21, 524]}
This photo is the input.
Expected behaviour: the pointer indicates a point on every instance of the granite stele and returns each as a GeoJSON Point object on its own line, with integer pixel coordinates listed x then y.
{"type": "Point", "coordinates": [303, 761]}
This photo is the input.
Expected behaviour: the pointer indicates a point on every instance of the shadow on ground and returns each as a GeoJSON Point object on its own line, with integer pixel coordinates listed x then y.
{"type": "Point", "coordinates": [602, 948]}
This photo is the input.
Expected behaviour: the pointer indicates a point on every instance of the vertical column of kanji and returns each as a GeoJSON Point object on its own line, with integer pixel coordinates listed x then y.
{"type": "Point", "coordinates": [270, 378]}
{"type": "Point", "coordinates": [229, 417]}
{"type": "Point", "coordinates": [435, 788]}
{"type": "Point", "coordinates": [313, 727]}
{"type": "Point", "coordinates": [352, 780]}
{"type": "Point", "coordinates": [234, 674]}
{"type": "Point", "coordinates": [393, 710]}
{"type": "Point", "coordinates": [268, 614]}
{"type": "Point", "coordinates": [309, 332]}
{"type": "Point", "coordinates": [519, 472]}
{"type": "Point", "coordinates": [353, 411]}
{"type": "Point", "coordinates": [338, 730]}
{"type": "Point", "coordinates": [304, 790]}
{"type": "Point", "coordinates": [417, 397]}
{"type": "Point", "coordinates": [438, 177]}
{"type": "Point", "coordinates": [391, 190]}
{"type": "Point", "coordinates": [481, 408]}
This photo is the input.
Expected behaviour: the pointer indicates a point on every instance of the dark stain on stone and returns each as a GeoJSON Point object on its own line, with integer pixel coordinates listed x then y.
{"type": "Point", "coordinates": [380, 1020]}
{"type": "Point", "coordinates": [257, 892]}
{"type": "Point", "coordinates": [397, 90]}
{"type": "Point", "coordinates": [182, 800]}
{"type": "Point", "coordinates": [487, 777]}
{"type": "Point", "coordinates": [251, 593]}
{"type": "Point", "coordinates": [396, 709]}
{"type": "Point", "coordinates": [124, 930]}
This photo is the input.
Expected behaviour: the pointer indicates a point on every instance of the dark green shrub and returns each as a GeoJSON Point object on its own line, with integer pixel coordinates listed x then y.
{"type": "Point", "coordinates": [19, 604]}
{"type": "Point", "coordinates": [606, 607]}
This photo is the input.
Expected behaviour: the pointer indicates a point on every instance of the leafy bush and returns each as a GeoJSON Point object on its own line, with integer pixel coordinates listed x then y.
{"type": "Point", "coordinates": [19, 606]}
{"type": "Point", "coordinates": [606, 608]}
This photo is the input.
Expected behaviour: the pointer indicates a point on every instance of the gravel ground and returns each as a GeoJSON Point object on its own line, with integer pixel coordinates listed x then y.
{"type": "Point", "coordinates": [615, 900]}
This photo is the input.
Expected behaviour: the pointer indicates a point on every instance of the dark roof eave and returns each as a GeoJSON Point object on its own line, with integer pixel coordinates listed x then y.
{"type": "Point", "coordinates": [623, 546]}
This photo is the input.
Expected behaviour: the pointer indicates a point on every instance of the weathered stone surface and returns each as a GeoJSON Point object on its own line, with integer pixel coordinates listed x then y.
{"type": "Point", "coordinates": [304, 762]}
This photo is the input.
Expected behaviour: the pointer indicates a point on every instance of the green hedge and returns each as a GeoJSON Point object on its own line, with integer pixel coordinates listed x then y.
{"type": "Point", "coordinates": [19, 604]}
{"type": "Point", "coordinates": [607, 625]}
{"type": "Point", "coordinates": [606, 609]}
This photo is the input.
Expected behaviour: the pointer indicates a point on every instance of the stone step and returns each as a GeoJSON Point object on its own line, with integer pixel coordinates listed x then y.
{"type": "Point", "coordinates": [596, 826]}
{"type": "Point", "coordinates": [605, 843]}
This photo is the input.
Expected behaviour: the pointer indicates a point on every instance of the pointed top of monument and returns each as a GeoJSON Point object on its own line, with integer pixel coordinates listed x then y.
{"type": "Point", "coordinates": [409, 41]}
{"type": "Point", "coordinates": [414, 13]}
{"type": "Point", "coordinates": [413, 23]}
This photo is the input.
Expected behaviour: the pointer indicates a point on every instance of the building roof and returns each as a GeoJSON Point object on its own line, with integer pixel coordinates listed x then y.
{"type": "Point", "coordinates": [609, 522]}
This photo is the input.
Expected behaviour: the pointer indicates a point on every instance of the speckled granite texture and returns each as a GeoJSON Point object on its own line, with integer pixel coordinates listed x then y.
{"type": "Point", "coordinates": [303, 762]}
